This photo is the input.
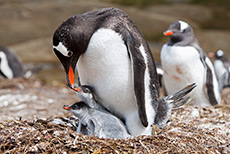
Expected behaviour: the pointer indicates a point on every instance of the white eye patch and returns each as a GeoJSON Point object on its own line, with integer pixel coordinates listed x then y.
{"type": "Point", "coordinates": [63, 50]}
{"type": "Point", "coordinates": [219, 53]}
{"type": "Point", "coordinates": [183, 25]}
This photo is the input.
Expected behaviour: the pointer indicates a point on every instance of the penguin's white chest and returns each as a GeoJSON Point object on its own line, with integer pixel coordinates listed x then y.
{"type": "Point", "coordinates": [4, 66]}
{"type": "Point", "coordinates": [107, 68]}
{"type": "Point", "coordinates": [182, 66]}
{"type": "Point", "coordinates": [219, 68]}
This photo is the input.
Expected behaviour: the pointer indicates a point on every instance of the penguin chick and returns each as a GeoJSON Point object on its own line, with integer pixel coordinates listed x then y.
{"type": "Point", "coordinates": [170, 103]}
{"type": "Point", "coordinates": [222, 68]}
{"type": "Point", "coordinates": [86, 94]}
{"type": "Point", "coordinates": [99, 123]}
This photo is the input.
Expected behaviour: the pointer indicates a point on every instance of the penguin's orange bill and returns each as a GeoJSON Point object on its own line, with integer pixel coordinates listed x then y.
{"type": "Point", "coordinates": [66, 107]}
{"type": "Point", "coordinates": [168, 33]}
{"type": "Point", "coordinates": [71, 76]}
{"type": "Point", "coordinates": [76, 89]}
{"type": "Point", "coordinates": [211, 54]}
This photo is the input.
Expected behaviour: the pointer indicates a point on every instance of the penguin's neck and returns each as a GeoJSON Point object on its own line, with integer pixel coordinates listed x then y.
{"type": "Point", "coordinates": [84, 117]}
{"type": "Point", "coordinates": [174, 40]}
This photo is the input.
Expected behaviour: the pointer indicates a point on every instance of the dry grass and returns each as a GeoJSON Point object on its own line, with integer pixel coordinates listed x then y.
{"type": "Point", "coordinates": [190, 130]}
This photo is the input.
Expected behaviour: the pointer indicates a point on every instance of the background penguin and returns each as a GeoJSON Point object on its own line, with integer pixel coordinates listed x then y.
{"type": "Point", "coordinates": [98, 123]}
{"type": "Point", "coordinates": [10, 66]}
{"type": "Point", "coordinates": [184, 62]}
{"type": "Point", "coordinates": [222, 68]}
{"type": "Point", "coordinates": [113, 58]}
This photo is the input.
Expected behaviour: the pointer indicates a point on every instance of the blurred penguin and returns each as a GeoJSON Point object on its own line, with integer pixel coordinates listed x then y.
{"type": "Point", "coordinates": [222, 68]}
{"type": "Point", "coordinates": [10, 66]}
{"type": "Point", "coordinates": [184, 62]}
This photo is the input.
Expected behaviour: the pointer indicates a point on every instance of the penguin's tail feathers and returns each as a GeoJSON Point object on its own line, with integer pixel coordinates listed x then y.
{"type": "Point", "coordinates": [171, 103]}
{"type": "Point", "coordinates": [178, 99]}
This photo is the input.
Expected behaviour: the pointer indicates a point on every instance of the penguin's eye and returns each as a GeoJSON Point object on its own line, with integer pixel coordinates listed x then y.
{"type": "Point", "coordinates": [184, 31]}
{"type": "Point", "coordinates": [74, 106]}
{"type": "Point", "coordinates": [86, 90]}
{"type": "Point", "coordinates": [70, 53]}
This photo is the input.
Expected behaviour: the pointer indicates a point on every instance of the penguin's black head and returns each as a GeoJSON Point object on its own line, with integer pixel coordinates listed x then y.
{"type": "Point", "coordinates": [218, 55]}
{"type": "Point", "coordinates": [70, 40]}
{"type": "Point", "coordinates": [179, 31]}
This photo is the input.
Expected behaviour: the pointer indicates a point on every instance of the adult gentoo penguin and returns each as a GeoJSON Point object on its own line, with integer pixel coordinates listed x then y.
{"type": "Point", "coordinates": [112, 57]}
{"type": "Point", "coordinates": [184, 62]}
{"type": "Point", "coordinates": [222, 68]}
{"type": "Point", "coordinates": [10, 66]}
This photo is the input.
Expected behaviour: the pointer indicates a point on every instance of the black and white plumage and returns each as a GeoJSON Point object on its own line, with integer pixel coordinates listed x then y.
{"type": "Point", "coordinates": [160, 72]}
{"type": "Point", "coordinates": [98, 123]}
{"type": "Point", "coordinates": [184, 62]}
{"type": "Point", "coordinates": [222, 68]}
{"type": "Point", "coordinates": [10, 66]}
{"type": "Point", "coordinates": [112, 57]}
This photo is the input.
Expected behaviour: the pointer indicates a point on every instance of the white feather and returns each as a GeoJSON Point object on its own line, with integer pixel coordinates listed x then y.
{"type": "Point", "coordinates": [62, 49]}
{"type": "Point", "coordinates": [183, 25]}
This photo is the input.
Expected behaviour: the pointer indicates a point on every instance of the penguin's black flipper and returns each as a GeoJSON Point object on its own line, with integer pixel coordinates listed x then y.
{"type": "Point", "coordinates": [170, 103]}
{"type": "Point", "coordinates": [138, 68]}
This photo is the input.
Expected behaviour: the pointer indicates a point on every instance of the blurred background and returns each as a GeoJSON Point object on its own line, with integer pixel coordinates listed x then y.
{"type": "Point", "coordinates": [27, 26]}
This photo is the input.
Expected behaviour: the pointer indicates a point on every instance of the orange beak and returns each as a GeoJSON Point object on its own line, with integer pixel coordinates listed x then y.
{"type": "Point", "coordinates": [71, 76]}
{"type": "Point", "coordinates": [66, 107]}
{"type": "Point", "coordinates": [168, 33]}
{"type": "Point", "coordinates": [76, 89]}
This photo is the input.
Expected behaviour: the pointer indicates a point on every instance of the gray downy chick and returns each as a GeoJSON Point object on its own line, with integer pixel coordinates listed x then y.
{"type": "Point", "coordinates": [99, 123]}
{"type": "Point", "coordinates": [86, 94]}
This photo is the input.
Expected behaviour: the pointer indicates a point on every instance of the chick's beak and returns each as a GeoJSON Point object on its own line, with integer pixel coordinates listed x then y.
{"type": "Point", "coordinates": [168, 33]}
{"type": "Point", "coordinates": [66, 107]}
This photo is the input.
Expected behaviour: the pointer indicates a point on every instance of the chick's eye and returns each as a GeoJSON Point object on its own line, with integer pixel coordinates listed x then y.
{"type": "Point", "coordinates": [86, 90]}
{"type": "Point", "coordinates": [74, 107]}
